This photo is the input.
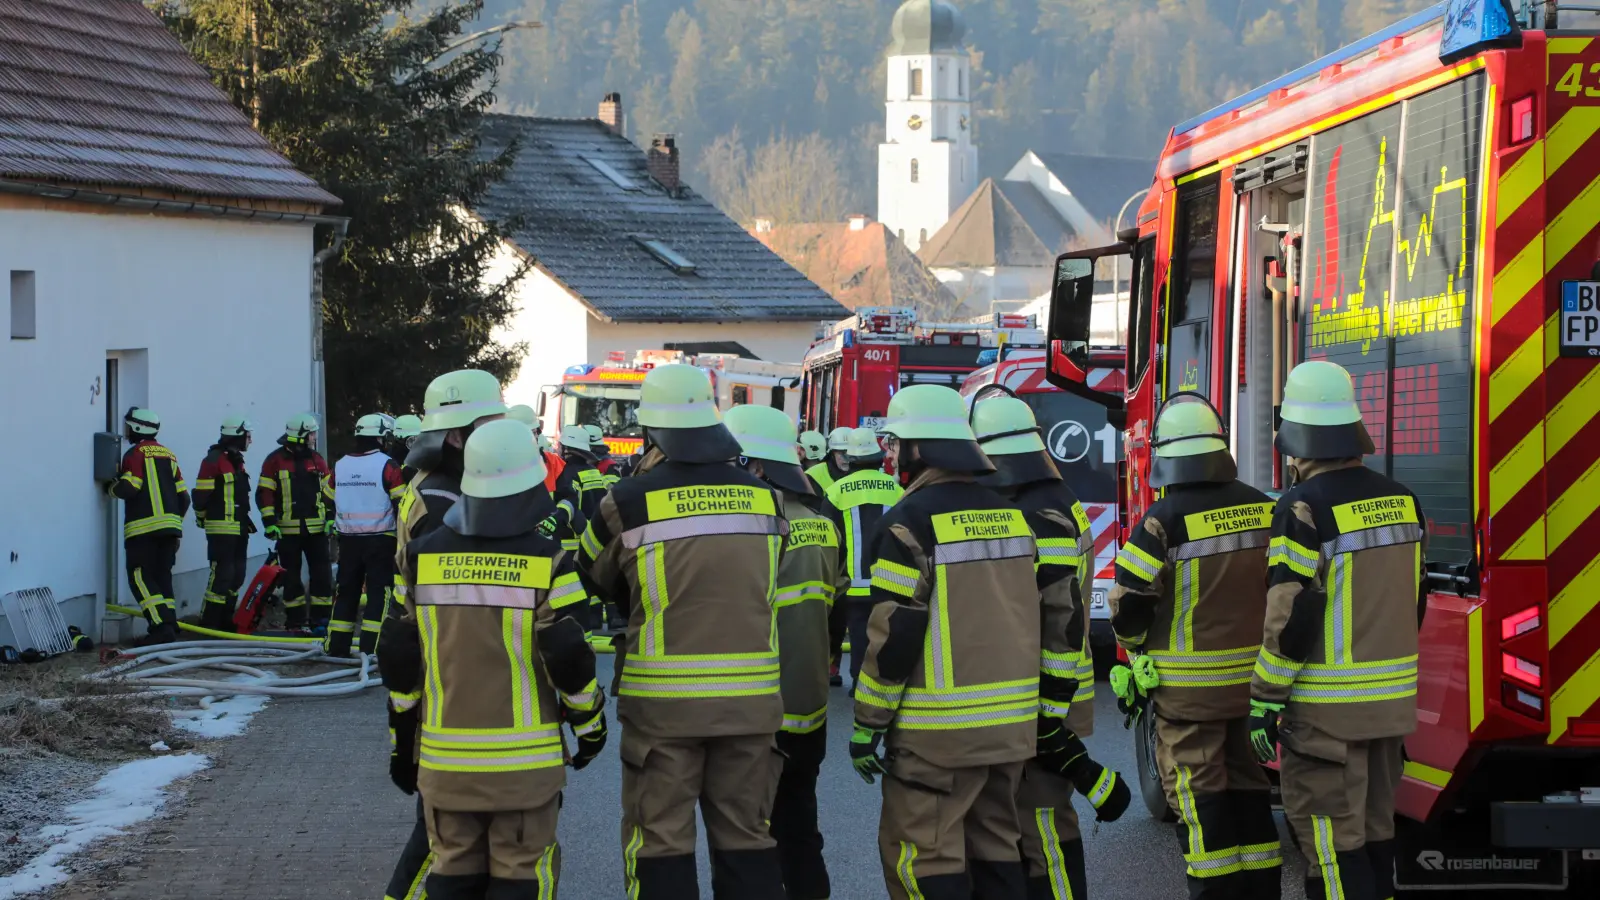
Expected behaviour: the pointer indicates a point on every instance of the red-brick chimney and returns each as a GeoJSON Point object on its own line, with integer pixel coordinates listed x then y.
{"type": "Point", "coordinates": [611, 112]}
{"type": "Point", "coordinates": [663, 161]}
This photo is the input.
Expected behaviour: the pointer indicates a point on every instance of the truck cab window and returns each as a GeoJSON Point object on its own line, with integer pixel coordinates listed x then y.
{"type": "Point", "coordinates": [1142, 291]}
{"type": "Point", "coordinates": [1193, 290]}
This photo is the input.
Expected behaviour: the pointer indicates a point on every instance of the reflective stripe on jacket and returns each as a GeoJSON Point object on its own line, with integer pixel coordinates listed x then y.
{"type": "Point", "coordinates": [1066, 553]}
{"type": "Point", "coordinates": [222, 492]}
{"type": "Point", "coordinates": [855, 504]}
{"type": "Point", "coordinates": [805, 594]}
{"type": "Point", "coordinates": [150, 485]}
{"type": "Point", "coordinates": [1201, 550]}
{"type": "Point", "coordinates": [296, 490]}
{"type": "Point", "coordinates": [423, 505]}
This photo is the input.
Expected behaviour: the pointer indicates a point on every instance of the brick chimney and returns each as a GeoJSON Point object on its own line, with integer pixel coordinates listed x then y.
{"type": "Point", "coordinates": [663, 161]}
{"type": "Point", "coordinates": [611, 112]}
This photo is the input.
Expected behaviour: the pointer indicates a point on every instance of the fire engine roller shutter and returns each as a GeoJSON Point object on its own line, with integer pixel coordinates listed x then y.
{"type": "Point", "coordinates": [1406, 321]}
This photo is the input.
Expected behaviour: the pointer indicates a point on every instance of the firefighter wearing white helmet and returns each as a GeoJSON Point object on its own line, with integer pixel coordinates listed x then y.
{"type": "Point", "coordinates": [1052, 846]}
{"type": "Point", "coordinates": [854, 504]}
{"type": "Point", "coordinates": [698, 685]}
{"type": "Point", "coordinates": [222, 511]}
{"type": "Point", "coordinates": [607, 465]}
{"type": "Point", "coordinates": [834, 465]}
{"type": "Point", "coordinates": [1343, 680]}
{"type": "Point", "coordinates": [295, 496]}
{"type": "Point", "coordinates": [402, 434]}
{"type": "Point", "coordinates": [579, 487]}
{"type": "Point", "coordinates": [814, 445]}
{"type": "Point", "coordinates": [155, 499]}
{"type": "Point", "coordinates": [368, 485]}
{"type": "Point", "coordinates": [950, 684]}
{"type": "Point", "coordinates": [1190, 591]}
{"type": "Point", "coordinates": [488, 684]}
{"type": "Point", "coordinates": [805, 594]}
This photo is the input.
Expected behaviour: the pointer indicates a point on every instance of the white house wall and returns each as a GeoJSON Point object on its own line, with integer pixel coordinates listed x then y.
{"type": "Point", "coordinates": [220, 309]}
{"type": "Point", "coordinates": [549, 321]}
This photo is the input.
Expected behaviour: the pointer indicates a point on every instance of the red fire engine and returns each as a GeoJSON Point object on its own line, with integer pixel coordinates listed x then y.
{"type": "Point", "coordinates": [1420, 207]}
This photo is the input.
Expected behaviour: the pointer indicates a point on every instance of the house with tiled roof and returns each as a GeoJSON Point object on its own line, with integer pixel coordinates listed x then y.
{"type": "Point", "coordinates": [156, 252]}
{"type": "Point", "coordinates": [621, 254]}
{"type": "Point", "coordinates": [860, 263]}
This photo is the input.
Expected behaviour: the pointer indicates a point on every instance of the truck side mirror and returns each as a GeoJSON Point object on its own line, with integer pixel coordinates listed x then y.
{"type": "Point", "coordinates": [1071, 305]}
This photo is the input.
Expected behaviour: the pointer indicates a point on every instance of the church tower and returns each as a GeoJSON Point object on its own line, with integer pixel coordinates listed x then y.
{"type": "Point", "coordinates": [927, 165]}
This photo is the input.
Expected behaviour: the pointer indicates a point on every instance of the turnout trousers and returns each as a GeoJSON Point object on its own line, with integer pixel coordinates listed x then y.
{"type": "Point", "coordinates": [951, 834]}
{"type": "Point", "coordinates": [149, 559]}
{"type": "Point", "coordinates": [494, 855]}
{"type": "Point", "coordinates": [226, 553]}
{"type": "Point", "coordinates": [1339, 798]}
{"type": "Point", "coordinates": [794, 815]}
{"type": "Point", "coordinates": [1052, 846]}
{"type": "Point", "coordinates": [733, 780]}
{"type": "Point", "coordinates": [1225, 827]}
{"type": "Point", "coordinates": [366, 569]}
{"type": "Point", "coordinates": [857, 611]}
{"type": "Point", "coordinates": [416, 858]}
{"type": "Point", "coordinates": [313, 550]}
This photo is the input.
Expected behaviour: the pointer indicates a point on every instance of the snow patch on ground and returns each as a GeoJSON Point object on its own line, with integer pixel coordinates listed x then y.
{"type": "Point", "coordinates": [128, 794]}
{"type": "Point", "coordinates": [220, 718]}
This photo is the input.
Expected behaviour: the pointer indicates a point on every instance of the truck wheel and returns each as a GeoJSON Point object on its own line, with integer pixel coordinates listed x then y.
{"type": "Point", "coordinates": [1144, 751]}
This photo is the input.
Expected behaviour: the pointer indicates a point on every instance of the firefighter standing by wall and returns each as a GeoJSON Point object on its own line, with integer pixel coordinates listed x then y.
{"type": "Point", "coordinates": [454, 405]}
{"type": "Point", "coordinates": [951, 680]}
{"type": "Point", "coordinates": [689, 547]}
{"type": "Point", "coordinates": [1190, 588]}
{"type": "Point", "coordinates": [368, 485]}
{"type": "Point", "coordinates": [1338, 661]}
{"type": "Point", "coordinates": [154, 502]}
{"type": "Point", "coordinates": [295, 496]}
{"type": "Point", "coordinates": [1024, 474]}
{"type": "Point", "coordinates": [855, 503]}
{"type": "Point", "coordinates": [805, 595]}
{"type": "Point", "coordinates": [502, 665]}
{"type": "Point", "coordinates": [222, 510]}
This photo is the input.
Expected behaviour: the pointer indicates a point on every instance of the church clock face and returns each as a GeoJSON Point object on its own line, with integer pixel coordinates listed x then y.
{"type": "Point", "coordinates": [914, 123]}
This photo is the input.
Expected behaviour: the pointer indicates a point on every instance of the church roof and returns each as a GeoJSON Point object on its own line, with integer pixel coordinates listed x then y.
{"type": "Point", "coordinates": [1003, 223]}
{"type": "Point", "coordinates": [925, 26]}
{"type": "Point", "coordinates": [867, 266]}
{"type": "Point", "coordinates": [1101, 183]}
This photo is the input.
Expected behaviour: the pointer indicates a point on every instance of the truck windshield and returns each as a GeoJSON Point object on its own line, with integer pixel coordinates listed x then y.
{"type": "Point", "coordinates": [1085, 447]}
{"type": "Point", "coordinates": [614, 410]}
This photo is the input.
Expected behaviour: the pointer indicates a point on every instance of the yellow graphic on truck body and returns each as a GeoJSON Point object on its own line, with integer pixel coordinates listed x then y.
{"type": "Point", "coordinates": [1374, 513]}
{"type": "Point", "coordinates": [708, 500]}
{"type": "Point", "coordinates": [980, 525]}
{"type": "Point", "coordinates": [1228, 520]}
{"type": "Point", "coordinates": [484, 568]}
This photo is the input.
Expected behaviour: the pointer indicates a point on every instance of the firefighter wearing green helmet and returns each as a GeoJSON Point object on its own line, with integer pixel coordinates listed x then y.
{"type": "Point", "coordinates": [295, 496]}
{"type": "Point", "coordinates": [1052, 847]}
{"type": "Point", "coordinates": [1190, 593]}
{"type": "Point", "coordinates": [950, 683]}
{"type": "Point", "coordinates": [580, 487]}
{"type": "Point", "coordinates": [488, 671]}
{"type": "Point", "coordinates": [855, 503]}
{"type": "Point", "coordinates": [402, 435]}
{"type": "Point", "coordinates": [805, 594]}
{"type": "Point", "coordinates": [367, 488]}
{"type": "Point", "coordinates": [1338, 660]}
{"type": "Point", "coordinates": [154, 500]}
{"type": "Point", "coordinates": [222, 511]}
{"type": "Point", "coordinates": [688, 548]}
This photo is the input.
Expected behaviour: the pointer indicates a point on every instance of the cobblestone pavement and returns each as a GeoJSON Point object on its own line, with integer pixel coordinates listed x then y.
{"type": "Point", "coordinates": [301, 807]}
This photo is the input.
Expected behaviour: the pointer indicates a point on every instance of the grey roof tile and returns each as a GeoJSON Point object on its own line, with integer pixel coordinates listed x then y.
{"type": "Point", "coordinates": [1102, 183]}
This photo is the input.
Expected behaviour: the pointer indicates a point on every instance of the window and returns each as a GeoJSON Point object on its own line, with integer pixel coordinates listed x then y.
{"type": "Point", "coordinates": [1143, 290]}
{"type": "Point", "coordinates": [961, 82]}
{"type": "Point", "coordinates": [615, 410]}
{"type": "Point", "coordinates": [916, 82]}
{"type": "Point", "coordinates": [668, 257]}
{"type": "Point", "coordinates": [776, 401]}
{"type": "Point", "coordinates": [741, 394]}
{"type": "Point", "coordinates": [916, 172]}
{"type": "Point", "coordinates": [616, 178]}
{"type": "Point", "coordinates": [1193, 291]}
{"type": "Point", "coordinates": [24, 315]}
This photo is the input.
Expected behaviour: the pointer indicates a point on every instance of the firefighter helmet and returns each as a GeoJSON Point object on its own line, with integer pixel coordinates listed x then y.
{"type": "Point", "coordinates": [596, 436]}
{"type": "Point", "coordinates": [768, 434]}
{"type": "Point", "coordinates": [839, 438]}
{"type": "Point", "coordinates": [500, 460]}
{"type": "Point", "coordinates": [934, 418]}
{"type": "Point", "coordinates": [864, 447]}
{"type": "Point", "coordinates": [678, 410]}
{"type": "Point", "coordinates": [370, 426]}
{"type": "Point", "coordinates": [576, 438]}
{"type": "Point", "coordinates": [407, 427]}
{"type": "Point", "coordinates": [816, 446]}
{"type": "Point", "coordinates": [1190, 444]}
{"type": "Point", "coordinates": [300, 428]}
{"type": "Point", "coordinates": [1321, 419]}
{"type": "Point", "coordinates": [457, 399]}
{"type": "Point", "coordinates": [524, 413]}
{"type": "Point", "coordinates": [142, 422]}
{"type": "Point", "coordinates": [1005, 426]}
{"type": "Point", "coordinates": [236, 426]}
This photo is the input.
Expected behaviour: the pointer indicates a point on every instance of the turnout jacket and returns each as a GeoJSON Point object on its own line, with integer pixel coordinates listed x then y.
{"type": "Point", "coordinates": [296, 490]}
{"type": "Point", "coordinates": [952, 663]}
{"type": "Point", "coordinates": [1066, 553]}
{"type": "Point", "coordinates": [690, 553]}
{"type": "Point", "coordinates": [805, 595]}
{"type": "Point", "coordinates": [498, 657]}
{"type": "Point", "coordinates": [583, 485]}
{"type": "Point", "coordinates": [1190, 593]}
{"type": "Point", "coordinates": [222, 493]}
{"type": "Point", "coordinates": [423, 505]}
{"type": "Point", "coordinates": [855, 503]}
{"type": "Point", "coordinates": [1345, 604]}
{"type": "Point", "coordinates": [150, 486]}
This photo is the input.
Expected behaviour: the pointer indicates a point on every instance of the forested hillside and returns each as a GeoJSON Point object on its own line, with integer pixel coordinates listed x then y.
{"type": "Point", "coordinates": [1093, 76]}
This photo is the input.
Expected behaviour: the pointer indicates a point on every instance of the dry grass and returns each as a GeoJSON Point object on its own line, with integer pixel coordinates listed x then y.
{"type": "Point", "coordinates": [49, 706]}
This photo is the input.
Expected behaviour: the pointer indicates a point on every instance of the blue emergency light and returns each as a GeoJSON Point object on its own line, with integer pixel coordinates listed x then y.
{"type": "Point", "coordinates": [1471, 26]}
{"type": "Point", "coordinates": [580, 369]}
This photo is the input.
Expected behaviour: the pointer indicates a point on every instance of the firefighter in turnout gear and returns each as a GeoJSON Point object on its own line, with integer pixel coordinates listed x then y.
{"type": "Point", "coordinates": [1024, 474]}
{"type": "Point", "coordinates": [1190, 589]}
{"type": "Point", "coordinates": [605, 464]}
{"type": "Point", "coordinates": [367, 488]}
{"type": "Point", "coordinates": [222, 511]}
{"type": "Point", "coordinates": [295, 496]}
{"type": "Point", "coordinates": [805, 595]}
{"type": "Point", "coordinates": [950, 685]}
{"type": "Point", "coordinates": [813, 450]}
{"type": "Point", "coordinates": [689, 548]}
{"type": "Point", "coordinates": [402, 436]}
{"type": "Point", "coordinates": [454, 405]}
{"type": "Point", "coordinates": [1336, 679]}
{"type": "Point", "coordinates": [855, 503]}
{"type": "Point", "coordinates": [154, 502]}
{"type": "Point", "coordinates": [581, 487]}
{"type": "Point", "coordinates": [496, 665]}
{"type": "Point", "coordinates": [834, 465]}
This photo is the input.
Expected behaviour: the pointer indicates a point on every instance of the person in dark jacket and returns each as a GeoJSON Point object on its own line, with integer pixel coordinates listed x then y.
{"type": "Point", "coordinates": [222, 510]}
{"type": "Point", "coordinates": [295, 496]}
{"type": "Point", "coordinates": [154, 500]}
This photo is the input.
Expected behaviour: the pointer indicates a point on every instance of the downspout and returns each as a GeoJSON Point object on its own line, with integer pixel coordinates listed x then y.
{"type": "Point", "coordinates": [319, 386]}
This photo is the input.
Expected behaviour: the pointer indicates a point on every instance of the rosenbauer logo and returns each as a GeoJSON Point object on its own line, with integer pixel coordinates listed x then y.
{"type": "Point", "coordinates": [1435, 861]}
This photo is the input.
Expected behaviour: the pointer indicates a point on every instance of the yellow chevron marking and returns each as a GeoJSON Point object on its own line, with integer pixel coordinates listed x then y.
{"type": "Point", "coordinates": [1573, 507]}
{"type": "Point", "coordinates": [1575, 601]}
{"type": "Point", "coordinates": [1575, 697]}
{"type": "Point", "coordinates": [1519, 182]}
{"type": "Point", "coordinates": [1518, 279]}
{"type": "Point", "coordinates": [1475, 666]}
{"type": "Point", "coordinates": [1572, 224]}
{"type": "Point", "coordinates": [1518, 467]}
{"type": "Point", "coordinates": [1519, 370]}
{"type": "Point", "coordinates": [1568, 135]}
{"type": "Point", "coordinates": [1564, 45]}
{"type": "Point", "coordinates": [1574, 411]}
{"type": "Point", "coordinates": [1528, 547]}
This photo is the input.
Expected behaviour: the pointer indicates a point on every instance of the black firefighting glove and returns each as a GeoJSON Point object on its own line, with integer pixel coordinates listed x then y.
{"type": "Point", "coordinates": [864, 743]}
{"type": "Point", "coordinates": [402, 744]}
{"type": "Point", "coordinates": [558, 521]}
{"type": "Point", "coordinates": [590, 730]}
{"type": "Point", "coordinates": [1063, 752]}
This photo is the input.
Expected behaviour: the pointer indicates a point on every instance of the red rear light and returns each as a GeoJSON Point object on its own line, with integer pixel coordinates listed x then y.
{"type": "Point", "coordinates": [1583, 729]}
{"type": "Point", "coordinates": [1519, 669]}
{"type": "Point", "coordinates": [1520, 623]}
{"type": "Point", "coordinates": [1522, 120]}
